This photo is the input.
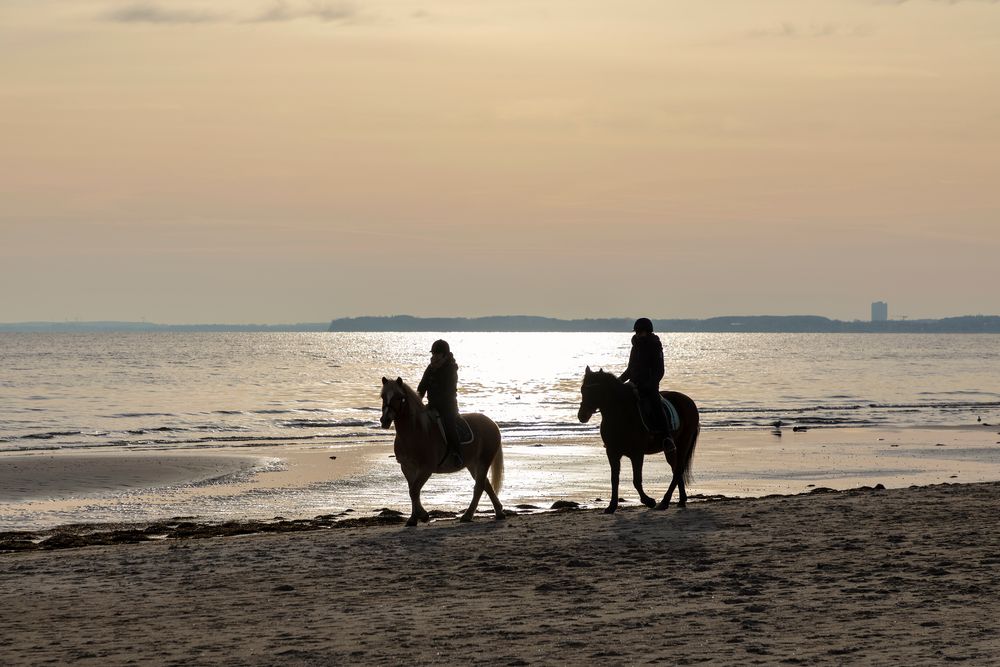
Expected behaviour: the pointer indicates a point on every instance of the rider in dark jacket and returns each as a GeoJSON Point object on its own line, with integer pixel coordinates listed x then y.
{"type": "Point", "coordinates": [440, 384]}
{"type": "Point", "coordinates": [645, 370]}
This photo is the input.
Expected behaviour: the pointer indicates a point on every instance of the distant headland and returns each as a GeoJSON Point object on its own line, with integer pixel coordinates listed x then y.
{"type": "Point", "coordinates": [750, 324]}
{"type": "Point", "coordinates": [528, 323]}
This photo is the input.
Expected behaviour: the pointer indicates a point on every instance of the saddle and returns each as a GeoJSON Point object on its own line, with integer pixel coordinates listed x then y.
{"type": "Point", "coordinates": [673, 417]}
{"type": "Point", "coordinates": [465, 434]}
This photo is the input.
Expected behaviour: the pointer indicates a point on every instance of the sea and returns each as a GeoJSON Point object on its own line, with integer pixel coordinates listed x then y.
{"type": "Point", "coordinates": [202, 392]}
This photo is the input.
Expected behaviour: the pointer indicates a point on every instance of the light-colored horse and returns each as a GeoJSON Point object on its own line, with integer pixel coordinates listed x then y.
{"type": "Point", "coordinates": [421, 450]}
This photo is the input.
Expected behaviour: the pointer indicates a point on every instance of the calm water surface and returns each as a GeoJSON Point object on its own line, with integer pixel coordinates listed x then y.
{"type": "Point", "coordinates": [180, 390]}
{"type": "Point", "coordinates": [319, 392]}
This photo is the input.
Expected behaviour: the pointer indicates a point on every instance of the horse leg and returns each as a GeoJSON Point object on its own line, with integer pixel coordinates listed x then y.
{"type": "Point", "coordinates": [637, 481]}
{"type": "Point", "coordinates": [616, 468]}
{"type": "Point", "coordinates": [417, 511]}
{"type": "Point", "coordinates": [497, 507]}
{"type": "Point", "coordinates": [480, 477]}
{"type": "Point", "coordinates": [682, 498]}
{"type": "Point", "coordinates": [674, 478]}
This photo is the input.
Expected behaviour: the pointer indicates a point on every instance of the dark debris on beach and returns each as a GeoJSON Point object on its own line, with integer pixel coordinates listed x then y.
{"type": "Point", "coordinates": [184, 528]}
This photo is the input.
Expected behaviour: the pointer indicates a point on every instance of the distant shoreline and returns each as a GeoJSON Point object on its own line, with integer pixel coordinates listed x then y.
{"type": "Point", "coordinates": [523, 323]}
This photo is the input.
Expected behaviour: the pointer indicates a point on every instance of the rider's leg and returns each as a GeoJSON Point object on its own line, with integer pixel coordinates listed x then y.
{"type": "Point", "coordinates": [658, 416]}
{"type": "Point", "coordinates": [450, 423]}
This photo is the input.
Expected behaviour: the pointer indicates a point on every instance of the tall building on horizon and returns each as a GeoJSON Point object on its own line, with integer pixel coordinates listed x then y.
{"type": "Point", "coordinates": [880, 311]}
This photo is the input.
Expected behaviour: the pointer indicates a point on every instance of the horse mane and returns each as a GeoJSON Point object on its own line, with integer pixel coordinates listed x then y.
{"type": "Point", "coordinates": [607, 379]}
{"type": "Point", "coordinates": [412, 397]}
{"type": "Point", "coordinates": [418, 411]}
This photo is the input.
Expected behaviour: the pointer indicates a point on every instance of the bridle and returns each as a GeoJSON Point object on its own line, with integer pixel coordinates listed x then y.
{"type": "Point", "coordinates": [392, 412]}
{"type": "Point", "coordinates": [589, 385]}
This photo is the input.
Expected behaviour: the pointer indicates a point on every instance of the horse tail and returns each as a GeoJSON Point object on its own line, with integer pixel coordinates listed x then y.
{"type": "Point", "coordinates": [496, 468]}
{"type": "Point", "coordinates": [686, 474]}
{"type": "Point", "coordinates": [690, 417]}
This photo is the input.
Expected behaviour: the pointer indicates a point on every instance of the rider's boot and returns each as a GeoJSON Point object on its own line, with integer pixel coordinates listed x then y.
{"type": "Point", "coordinates": [669, 447]}
{"type": "Point", "coordinates": [455, 450]}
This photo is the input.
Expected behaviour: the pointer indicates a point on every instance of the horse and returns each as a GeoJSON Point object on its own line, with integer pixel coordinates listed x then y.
{"type": "Point", "coordinates": [421, 450]}
{"type": "Point", "coordinates": [623, 434]}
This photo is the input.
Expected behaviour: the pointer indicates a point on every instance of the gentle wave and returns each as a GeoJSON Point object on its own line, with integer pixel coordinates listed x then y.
{"type": "Point", "coordinates": [311, 423]}
{"type": "Point", "coordinates": [49, 435]}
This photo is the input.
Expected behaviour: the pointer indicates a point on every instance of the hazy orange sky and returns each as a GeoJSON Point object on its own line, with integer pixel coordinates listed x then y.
{"type": "Point", "coordinates": [260, 161]}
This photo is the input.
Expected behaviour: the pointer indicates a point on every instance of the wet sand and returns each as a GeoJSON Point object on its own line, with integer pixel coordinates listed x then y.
{"type": "Point", "coordinates": [300, 482]}
{"type": "Point", "coordinates": [867, 576]}
{"type": "Point", "coordinates": [45, 476]}
{"type": "Point", "coordinates": [50, 489]}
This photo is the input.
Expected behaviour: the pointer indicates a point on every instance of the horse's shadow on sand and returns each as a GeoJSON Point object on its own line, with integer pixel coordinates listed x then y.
{"type": "Point", "coordinates": [435, 534]}
{"type": "Point", "coordinates": [690, 519]}
{"type": "Point", "coordinates": [679, 528]}
{"type": "Point", "coordinates": [643, 538]}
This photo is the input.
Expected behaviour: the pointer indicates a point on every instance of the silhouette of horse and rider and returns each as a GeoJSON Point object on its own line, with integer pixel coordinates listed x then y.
{"type": "Point", "coordinates": [637, 420]}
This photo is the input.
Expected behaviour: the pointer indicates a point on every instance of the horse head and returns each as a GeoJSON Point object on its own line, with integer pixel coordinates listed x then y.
{"type": "Point", "coordinates": [393, 400]}
{"type": "Point", "coordinates": [592, 393]}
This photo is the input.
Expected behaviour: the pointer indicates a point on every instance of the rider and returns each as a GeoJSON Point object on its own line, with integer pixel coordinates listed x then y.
{"type": "Point", "coordinates": [440, 384]}
{"type": "Point", "coordinates": [645, 370]}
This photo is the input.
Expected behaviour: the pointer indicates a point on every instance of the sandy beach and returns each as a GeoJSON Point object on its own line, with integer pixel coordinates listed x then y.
{"type": "Point", "coordinates": [867, 576]}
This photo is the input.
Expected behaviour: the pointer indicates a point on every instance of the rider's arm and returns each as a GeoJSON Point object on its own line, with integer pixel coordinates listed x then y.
{"type": "Point", "coordinates": [424, 382]}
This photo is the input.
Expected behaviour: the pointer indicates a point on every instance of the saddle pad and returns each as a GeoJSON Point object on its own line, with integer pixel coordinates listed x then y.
{"type": "Point", "coordinates": [673, 417]}
{"type": "Point", "coordinates": [672, 414]}
{"type": "Point", "coordinates": [465, 435]}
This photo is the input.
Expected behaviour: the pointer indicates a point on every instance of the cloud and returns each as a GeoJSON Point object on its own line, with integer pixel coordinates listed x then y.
{"type": "Point", "coordinates": [328, 12]}
{"type": "Point", "coordinates": [147, 12]}
{"type": "Point", "coordinates": [280, 11]}
{"type": "Point", "coordinates": [812, 31]}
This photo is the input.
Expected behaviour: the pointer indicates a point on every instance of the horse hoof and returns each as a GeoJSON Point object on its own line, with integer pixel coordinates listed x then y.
{"type": "Point", "coordinates": [501, 516]}
{"type": "Point", "coordinates": [425, 517]}
{"type": "Point", "coordinates": [610, 510]}
{"type": "Point", "coordinates": [649, 502]}
{"type": "Point", "coordinates": [465, 518]}
{"type": "Point", "coordinates": [411, 523]}
{"type": "Point", "coordinates": [682, 504]}
{"type": "Point", "coordinates": [662, 506]}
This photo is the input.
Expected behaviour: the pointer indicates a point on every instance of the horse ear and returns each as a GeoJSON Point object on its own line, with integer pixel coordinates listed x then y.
{"type": "Point", "coordinates": [385, 380]}
{"type": "Point", "coordinates": [588, 371]}
{"type": "Point", "coordinates": [600, 370]}
{"type": "Point", "coordinates": [399, 381]}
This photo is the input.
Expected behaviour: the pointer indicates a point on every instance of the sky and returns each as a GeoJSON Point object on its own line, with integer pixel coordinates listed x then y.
{"type": "Point", "coordinates": [272, 162]}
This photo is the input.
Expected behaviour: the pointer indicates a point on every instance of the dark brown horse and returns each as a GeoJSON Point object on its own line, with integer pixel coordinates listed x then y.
{"type": "Point", "coordinates": [421, 451]}
{"type": "Point", "coordinates": [624, 434]}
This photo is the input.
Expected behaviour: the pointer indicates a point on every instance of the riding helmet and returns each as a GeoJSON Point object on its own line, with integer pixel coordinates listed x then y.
{"type": "Point", "coordinates": [643, 324]}
{"type": "Point", "coordinates": [440, 347]}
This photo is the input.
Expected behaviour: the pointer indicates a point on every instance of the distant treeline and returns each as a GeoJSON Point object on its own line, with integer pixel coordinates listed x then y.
{"type": "Point", "coordinates": [753, 324]}
{"type": "Point", "coordinates": [97, 327]}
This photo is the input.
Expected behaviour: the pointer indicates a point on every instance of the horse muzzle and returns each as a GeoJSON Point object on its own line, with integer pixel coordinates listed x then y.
{"type": "Point", "coordinates": [584, 415]}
